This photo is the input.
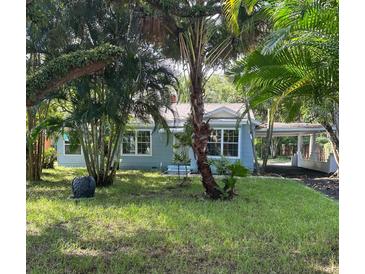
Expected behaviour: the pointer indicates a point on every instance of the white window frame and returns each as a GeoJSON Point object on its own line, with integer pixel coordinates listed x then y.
{"type": "Point", "coordinates": [74, 154]}
{"type": "Point", "coordinates": [136, 144]}
{"type": "Point", "coordinates": [222, 144]}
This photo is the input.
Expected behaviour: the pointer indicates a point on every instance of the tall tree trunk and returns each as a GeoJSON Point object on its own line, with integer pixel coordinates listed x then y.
{"type": "Point", "coordinates": [101, 164]}
{"type": "Point", "coordinates": [268, 139]}
{"type": "Point", "coordinates": [33, 172]}
{"type": "Point", "coordinates": [200, 141]}
{"type": "Point", "coordinates": [201, 128]}
{"type": "Point", "coordinates": [34, 148]}
{"type": "Point", "coordinates": [252, 135]}
{"type": "Point", "coordinates": [30, 147]}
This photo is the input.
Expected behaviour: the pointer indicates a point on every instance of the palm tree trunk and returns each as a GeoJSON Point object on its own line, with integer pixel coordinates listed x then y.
{"type": "Point", "coordinates": [252, 133]}
{"type": "Point", "coordinates": [33, 161]}
{"type": "Point", "coordinates": [86, 152]}
{"type": "Point", "coordinates": [101, 158]}
{"type": "Point", "coordinates": [268, 140]}
{"type": "Point", "coordinates": [193, 48]}
{"type": "Point", "coordinates": [201, 133]}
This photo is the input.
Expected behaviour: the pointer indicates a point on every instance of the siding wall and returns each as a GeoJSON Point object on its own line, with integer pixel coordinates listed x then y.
{"type": "Point", "coordinates": [68, 160]}
{"type": "Point", "coordinates": [162, 154]}
{"type": "Point", "coordinates": [245, 152]}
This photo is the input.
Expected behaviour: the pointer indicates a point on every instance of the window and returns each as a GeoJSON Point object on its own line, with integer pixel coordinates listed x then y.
{"type": "Point", "coordinates": [137, 143]}
{"type": "Point", "coordinates": [129, 143]}
{"type": "Point", "coordinates": [72, 145]}
{"type": "Point", "coordinates": [230, 143]}
{"type": "Point", "coordinates": [223, 142]}
{"type": "Point", "coordinates": [214, 142]}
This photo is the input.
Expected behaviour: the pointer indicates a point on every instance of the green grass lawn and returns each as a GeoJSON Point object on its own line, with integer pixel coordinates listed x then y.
{"type": "Point", "coordinates": [146, 223]}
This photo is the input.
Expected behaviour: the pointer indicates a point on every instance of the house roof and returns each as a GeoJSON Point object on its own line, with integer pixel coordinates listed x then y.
{"type": "Point", "coordinates": [182, 110]}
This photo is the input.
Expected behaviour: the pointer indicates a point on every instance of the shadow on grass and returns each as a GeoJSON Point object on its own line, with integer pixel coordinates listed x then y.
{"type": "Point", "coordinates": [145, 223]}
{"type": "Point", "coordinates": [62, 249]}
{"type": "Point", "coordinates": [137, 185]}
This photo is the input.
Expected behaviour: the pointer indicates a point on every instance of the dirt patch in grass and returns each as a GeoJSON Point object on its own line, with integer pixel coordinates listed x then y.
{"type": "Point", "coordinates": [328, 186]}
{"type": "Point", "coordinates": [317, 180]}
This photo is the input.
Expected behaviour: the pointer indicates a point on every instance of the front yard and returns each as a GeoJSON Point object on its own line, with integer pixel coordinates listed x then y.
{"type": "Point", "coordinates": [146, 223]}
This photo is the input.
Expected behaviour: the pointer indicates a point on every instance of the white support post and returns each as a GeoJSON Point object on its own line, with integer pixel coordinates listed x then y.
{"type": "Point", "coordinates": [300, 144]}
{"type": "Point", "coordinates": [297, 156]}
{"type": "Point", "coordinates": [312, 147]}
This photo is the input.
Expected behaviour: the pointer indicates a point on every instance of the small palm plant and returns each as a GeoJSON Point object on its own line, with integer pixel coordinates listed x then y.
{"type": "Point", "coordinates": [182, 158]}
{"type": "Point", "coordinates": [232, 171]}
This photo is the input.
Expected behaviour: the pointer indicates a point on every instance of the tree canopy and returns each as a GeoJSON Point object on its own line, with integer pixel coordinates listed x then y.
{"type": "Point", "coordinates": [218, 89]}
{"type": "Point", "coordinates": [297, 63]}
{"type": "Point", "coordinates": [58, 71]}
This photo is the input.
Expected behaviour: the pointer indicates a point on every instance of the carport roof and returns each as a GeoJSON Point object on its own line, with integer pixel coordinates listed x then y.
{"type": "Point", "coordinates": [290, 129]}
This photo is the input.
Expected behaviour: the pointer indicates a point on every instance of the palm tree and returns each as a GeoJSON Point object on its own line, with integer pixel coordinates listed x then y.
{"type": "Point", "coordinates": [298, 59]}
{"type": "Point", "coordinates": [71, 41]}
{"type": "Point", "coordinates": [199, 30]}
{"type": "Point", "coordinates": [136, 86]}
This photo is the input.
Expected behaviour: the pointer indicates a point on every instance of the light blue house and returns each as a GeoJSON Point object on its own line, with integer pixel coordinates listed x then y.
{"type": "Point", "coordinates": [143, 148]}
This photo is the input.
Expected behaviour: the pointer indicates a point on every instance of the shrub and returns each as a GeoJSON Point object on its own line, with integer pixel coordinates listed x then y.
{"type": "Point", "coordinates": [221, 165]}
{"type": "Point", "coordinates": [50, 156]}
{"type": "Point", "coordinates": [182, 158]}
{"type": "Point", "coordinates": [232, 171]}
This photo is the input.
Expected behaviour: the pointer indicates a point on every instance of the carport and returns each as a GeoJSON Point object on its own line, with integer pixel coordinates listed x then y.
{"type": "Point", "coordinates": [300, 130]}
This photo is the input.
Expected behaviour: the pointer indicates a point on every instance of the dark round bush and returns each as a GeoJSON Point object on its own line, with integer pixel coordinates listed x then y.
{"type": "Point", "coordinates": [83, 187]}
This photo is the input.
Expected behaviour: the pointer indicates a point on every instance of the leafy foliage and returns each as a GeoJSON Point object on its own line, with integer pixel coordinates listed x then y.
{"type": "Point", "coordinates": [184, 143]}
{"type": "Point", "coordinates": [221, 165]}
{"type": "Point", "coordinates": [185, 137]}
{"type": "Point", "coordinates": [50, 156]}
{"type": "Point", "coordinates": [181, 158]}
{"type": "Point", "coordinates": [218, 89]}
{"type": "Point", "coordinates": [205, 44]}
{"type": "Point", "coordinates": [233, 11]}
{"type": "Point", "coordinates": [296, 66]}
{"type": "Point", "coordinates": [136, 87]}
{"type": "Point", "coordinates": [300, 61]}
{"type": "Point", "coordinates": [59, 67]}
{"type": "Point", "coordinates": [232, 171]}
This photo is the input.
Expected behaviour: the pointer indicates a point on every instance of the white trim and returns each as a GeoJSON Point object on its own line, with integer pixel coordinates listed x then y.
{"type": "Point", "coordinates": [173, 130]}
{"type": "Point", "coordinates": [289, 132]}
{"type": "Point", "coordinates": [222, 144]}
{"type": "Point", "coordinates": [213, 122]}
{"type": "Point", "coordinates": [136, 143]}
{"type": "Point", "coordinates": [221, 109]}
{"type": "Point", "coordinates": [227, 121]}
{"type": "Point", "coordinates": [292, 129]}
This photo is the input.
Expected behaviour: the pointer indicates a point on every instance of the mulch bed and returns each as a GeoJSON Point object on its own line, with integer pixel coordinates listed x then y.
{"type": "Point", "coordinates": [317, 180]}
{"type": "Point", "coordinates": [329, 186]}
